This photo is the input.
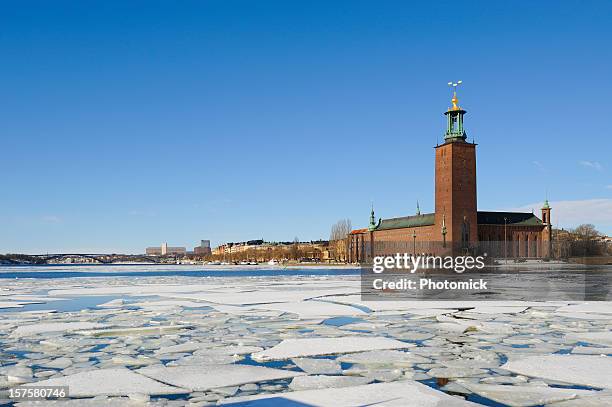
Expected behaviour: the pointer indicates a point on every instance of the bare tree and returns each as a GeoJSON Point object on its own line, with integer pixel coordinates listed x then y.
{"type": "Point", "coordinates": [340, 229]}
{"type": "Point", "coordinates": [338, 239]}
{"type": "Point", "coordinates": [586, 241]}
{"type": "Point", "coordinates": [586, 231]}
{"type": "Point", "coordinates": [295, 249]}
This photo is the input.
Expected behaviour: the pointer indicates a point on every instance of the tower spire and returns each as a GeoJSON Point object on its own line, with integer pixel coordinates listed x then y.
{"type": "Point", "coordinates": [454, 118]}
{"type": "Point", "coordinates": [372, 225]}
{"type": "Point", "coordinates": [418, 212]}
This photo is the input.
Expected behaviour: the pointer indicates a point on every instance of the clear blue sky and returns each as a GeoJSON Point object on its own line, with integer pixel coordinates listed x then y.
{"type": "Point", "coordinates": [126, 124]}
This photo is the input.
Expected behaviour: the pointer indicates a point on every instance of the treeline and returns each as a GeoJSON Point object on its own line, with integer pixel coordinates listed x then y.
{"type": "Point", "coordinates": [20, 259]}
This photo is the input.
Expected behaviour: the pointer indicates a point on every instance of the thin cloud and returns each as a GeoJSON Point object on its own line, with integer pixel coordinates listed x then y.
{"type": "Point", "coordinates": [140, 212]}
{"type": "Point", "coordinates": [51, 219]}
{"type": "Point", "coordinates": [609, 186]}
{"type": "Point", "coordinates": [538, 164]}
{"type": "Point", "coordinates": [591, 164]}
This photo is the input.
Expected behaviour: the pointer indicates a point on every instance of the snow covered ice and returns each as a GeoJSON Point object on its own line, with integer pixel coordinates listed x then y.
{"type": "Point", "coordinates": [179, 341]}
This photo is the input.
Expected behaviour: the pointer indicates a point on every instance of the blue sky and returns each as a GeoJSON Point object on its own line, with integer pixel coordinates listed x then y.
{"type": "Point", "coordinates": [126, 124]}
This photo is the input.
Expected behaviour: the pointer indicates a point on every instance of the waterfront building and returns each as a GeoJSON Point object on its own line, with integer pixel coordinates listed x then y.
{"type": "Point", "coordinates": [264, 251]}
{"type": "Point", "coordinates": [165, 250]}
{"type": "Point", "coordinates": [203, 249]}
{"type": "Point", "coordinates": [456, 226]}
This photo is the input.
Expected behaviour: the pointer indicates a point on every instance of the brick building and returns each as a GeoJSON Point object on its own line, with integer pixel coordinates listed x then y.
{"type": "Point", "coordinates": [456, 227]}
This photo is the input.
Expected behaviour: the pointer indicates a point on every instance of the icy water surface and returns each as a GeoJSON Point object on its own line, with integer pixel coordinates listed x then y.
{"type": "Point", "coordinates": [145, 336]}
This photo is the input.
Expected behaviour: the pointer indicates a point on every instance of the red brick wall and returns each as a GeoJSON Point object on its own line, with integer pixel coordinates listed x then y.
{"type": "Point", "coordinates": [456, 189]}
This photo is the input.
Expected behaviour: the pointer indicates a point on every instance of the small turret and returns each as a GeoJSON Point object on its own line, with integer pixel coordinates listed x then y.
{"type": "Point", "coordinates": [372, 225]}
{"type": "Point", "coordinates": [546, 213]}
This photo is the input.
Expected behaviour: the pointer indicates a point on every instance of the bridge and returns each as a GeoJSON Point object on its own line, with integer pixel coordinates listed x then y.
{"type": "Point", "coordinates": [100, 258]}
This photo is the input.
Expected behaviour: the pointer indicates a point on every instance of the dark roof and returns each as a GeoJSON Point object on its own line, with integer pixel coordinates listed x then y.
{"type": "Point", "coordinates": [513, 218]}
{"type": "Point", "coordinates": [425, 219]}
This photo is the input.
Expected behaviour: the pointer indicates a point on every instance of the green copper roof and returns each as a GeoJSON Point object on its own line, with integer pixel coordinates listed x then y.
{"type": "Point", "coordinates": [512, 218]}
{"type": "Point", "coordinates": [407, 222]}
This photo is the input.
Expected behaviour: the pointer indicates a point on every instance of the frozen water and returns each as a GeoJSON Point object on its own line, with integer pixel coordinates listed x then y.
{"type": "Point", "coordinates": [599, 338]}
{"type": "Point", "coordinates": [590, 350]}
{"type": "Point", "coordinates": [25, 330]}
{"type": "Point", "coordinates": [398, 394]}
{"type": "Point", "coordinates": [196, 378]}
{"type": "Point", "coordinates": [585, 370]}
{"type": "Point", "coordinates": [318, 366]}
{"type": "Point", "coordinates": [590, 307]}
{"type": "Point", "coordinates": [110, 382]}
{"type": "Point", "coordinates": [599, 399]}
{"type": "Point", "coordinates": [279, 319]}
{"type": "Point", "coordinates": [384, 357]}
{"type": "Point", "coordinates": [523, 396]}
{"type": "Point", "coordinates": [455, 372]}
{"type": "Point", "coordinates": [291, 348]}
{"type": "Point", "coordinates": [312, 309]}
{"type": "Point", "coordinates": [143, 330]}
{"type": "Point", "coordinates": [325, 382]}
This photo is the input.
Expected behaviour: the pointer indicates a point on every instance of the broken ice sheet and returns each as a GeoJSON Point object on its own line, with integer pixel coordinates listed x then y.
{"type": "Point", "coordinates": [229, 350]}
{"type": "Point", "coordinates": [312, 309]}
{"type": "Point", "coordinates": [290, 348]}
{"type": "Point", "coordinates": [383, 357]}
{"type": "Point", "coordinates": [456, 372]}
{"type": "Point", "coordinates": [204, 360]}
{"type": "Point", "coordinates": [143, 330]}
{"type": "Point", "coordinates": [406, 393]}
{"type": "Point", "coordinates": [600, 307]}
{"type": "Point", "coordinates": [94, 402]}
{"type": "Point", "coordinates": [382, 375]}
{"type": "Point", "coordinates": [318, 366]}
{"type": "Point", "coordinates": [26, 330]}
{"type": "Point", "coordinates": [584, 370]}
{"type": "Point", "coordinates": [590, 350]}
{"type": "Point", "coordinates": [197, 379]}
{"type": "Point", "coordinates": [597, 399]}
{"type": "Point", "coordinates": [600, 338]}
{"type": "Point", "coordinates": [523, 396]}
{"type": "Point", "coordinates": [110, 382]}
{"type": "Point", "coordinates": [325, 382]}
{"type": "Point", "coordinates": [183, 347]}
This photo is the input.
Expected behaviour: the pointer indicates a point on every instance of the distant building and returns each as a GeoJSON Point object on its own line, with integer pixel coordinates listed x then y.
{"type": "Point", "coordinates": [203, 249]}
{"type": "Point", "coordinates": [153, 251]}
{"type": "Point", "coordinates": [165, 250]}
{"type": "Point", "coordinates": [259, 249]}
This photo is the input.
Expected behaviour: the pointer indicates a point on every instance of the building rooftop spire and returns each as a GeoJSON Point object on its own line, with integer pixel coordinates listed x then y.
{"type": "Point", "coordinates": [454, 101]}
{"type": "Point", "coordinates": [454, 118]}
{"type": "Point", "coordinates": [372, 225]}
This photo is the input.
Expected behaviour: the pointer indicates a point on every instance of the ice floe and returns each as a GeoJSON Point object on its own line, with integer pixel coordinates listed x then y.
{"type": "Point", "coordinates": [326, 382]}
{"type": "Point", "coordinates": [523, 396]}
{"type": "Point", "coordinates": [318, 366]}
{"type": "Point", "coordinates": [197, 378]}
{"type": "Point", "coordinates": [292, 348]}
{"type": "Point", "coordinates": [584, 370]}
{"type": "Point", "coordinates": [110, 382]}
{"type": "Point", "coordinates": [38, 328]}
{"type": "Point", "coordinates": [399, 394]}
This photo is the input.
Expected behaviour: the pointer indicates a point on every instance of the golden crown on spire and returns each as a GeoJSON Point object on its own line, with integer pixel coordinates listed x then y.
{"type": "Point", "coordinates": [455, 100]}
